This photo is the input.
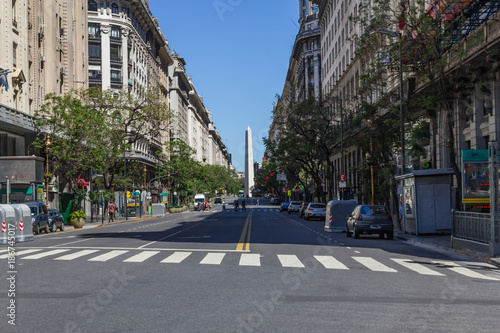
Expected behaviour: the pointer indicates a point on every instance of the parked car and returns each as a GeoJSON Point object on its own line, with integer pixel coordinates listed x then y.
{"type": "Point", "coordinates": [368, 219]}
{"type": "Point", "coordinates": [218, 200]}
{"type": "Point", "coordinates": [275, 201]}
{"type": "Point", "coordinates": [315, 210]}
{"type": "Point", "coordinates": [302, 208]}
{"type": "Point", "coordinates": [284, 206]}
{"type": "Point", "coordinates": [39, 217]}
{"type": "Point", "coordinates": [294, 206]}
{"type": "Point", "coordinates": [56, 220]}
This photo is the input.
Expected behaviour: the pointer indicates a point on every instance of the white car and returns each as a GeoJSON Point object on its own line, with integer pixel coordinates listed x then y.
{"type": "Point", "coordinates": [317, 210]}
{"type": "Point", "coordinates": [294, 206]}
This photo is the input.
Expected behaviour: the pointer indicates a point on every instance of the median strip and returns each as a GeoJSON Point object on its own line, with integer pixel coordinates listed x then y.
{"type": "Point", "coordinates": [244, 241]}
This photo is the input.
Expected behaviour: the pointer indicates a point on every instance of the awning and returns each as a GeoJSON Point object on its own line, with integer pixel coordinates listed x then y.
{"type": "Point", "coordinates": [82, 182]}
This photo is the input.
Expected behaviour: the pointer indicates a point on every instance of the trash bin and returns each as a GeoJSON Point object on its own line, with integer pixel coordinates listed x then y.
{"type": "Point", "coordinates": [24, 231]}
{"type": "Point", "coordinates": [9, 223]}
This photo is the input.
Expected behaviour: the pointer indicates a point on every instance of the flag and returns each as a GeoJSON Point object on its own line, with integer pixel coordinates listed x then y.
{"type": "Point", "coordinates": [402, 20]}
{"type": "Point", "coordinates": [4, 81]}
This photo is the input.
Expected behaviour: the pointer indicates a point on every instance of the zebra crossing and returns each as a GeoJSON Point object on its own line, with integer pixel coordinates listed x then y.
{"type": "Point", "coordinates": [438, 268]}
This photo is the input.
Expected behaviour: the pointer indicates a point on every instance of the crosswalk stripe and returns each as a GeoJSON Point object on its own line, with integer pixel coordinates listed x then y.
{"type": "Point", "coordinates": [290, 260]}
{"type": "Point", "coordinates": [78, 254]}
{"type": "Point", "coordinates": [20, 253]}
{"type": "Point", "coordinates": [374, 265]}
{"type": "Point", "coordinates": [176, 257]}
{"type": "Point", "coordinates": [109, 255]}
{"type": "Point", "coordinates": [464, 271]}
{"type": "Point", "coordinates": [140, 257]}
{"type": "Point", "coordinates": [250, 259]}
{"type": "Point", "coordinates": [45, 254]}
{"type": "Point", "coordinates": [419, 268]}
{"type": "Point", "coordinates": [213, 259]}
{"type": "Point", "coordinates": [330, 262]}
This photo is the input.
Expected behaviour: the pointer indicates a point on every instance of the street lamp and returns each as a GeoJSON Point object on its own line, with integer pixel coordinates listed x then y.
{"type": "Point", "coordinates": [48, 145]}
{"type": "Point", "coordinates": [401, 114]}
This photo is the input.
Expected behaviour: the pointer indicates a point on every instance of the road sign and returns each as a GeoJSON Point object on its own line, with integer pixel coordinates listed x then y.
{"type": "Point", "coordinates": [342, 184]}
{"type": "Point", "coordinates": [281, 177]}
{"type": "Point", "coordinates": [342, 177]}
{"type": "Point", "coordinates": [289, 193]}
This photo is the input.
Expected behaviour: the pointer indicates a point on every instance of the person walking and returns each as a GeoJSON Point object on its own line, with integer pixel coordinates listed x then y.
{"type": "Point", "coordinates": [111, 211]}
{"type": "Point", "coordinates": [243, 205]}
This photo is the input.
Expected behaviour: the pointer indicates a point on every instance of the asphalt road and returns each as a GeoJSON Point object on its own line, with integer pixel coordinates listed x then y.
{"type": "Point", "coordinates": [257, 270]}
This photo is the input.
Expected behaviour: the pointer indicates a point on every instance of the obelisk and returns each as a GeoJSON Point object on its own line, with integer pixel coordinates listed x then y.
{"type": "Point", "coordinates": [248, 163]}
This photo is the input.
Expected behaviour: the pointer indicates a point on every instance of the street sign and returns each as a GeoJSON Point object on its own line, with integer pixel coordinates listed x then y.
{"type": "Point", "coordinates": [342, 184]}
{"type": "Point", "coordinates": [342, 177]}
{"type": "Point", "coordinates": [281, 177]}
{"type": "Point", "coordinates": [289, 193]}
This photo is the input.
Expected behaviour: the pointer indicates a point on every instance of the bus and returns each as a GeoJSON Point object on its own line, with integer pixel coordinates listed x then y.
{"type": "Point", "coordinates": [241, 194]}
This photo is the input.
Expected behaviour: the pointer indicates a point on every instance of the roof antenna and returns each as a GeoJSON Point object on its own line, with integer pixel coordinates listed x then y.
{"type": "Point", "coordinates": [294, 23]}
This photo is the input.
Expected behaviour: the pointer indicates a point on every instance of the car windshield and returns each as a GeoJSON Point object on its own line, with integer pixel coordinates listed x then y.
{"type": "Point", "coordinates": [295, 203]}
{"type": "Point", "coordinates": [373, 210]}
{"type": "Point", "coordinates": [317, 206]}
{"type": "Point", "coordinates": [33, 211]}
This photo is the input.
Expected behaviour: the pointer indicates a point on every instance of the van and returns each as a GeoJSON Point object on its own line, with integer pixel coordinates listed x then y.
{"type": "Point", "coordinates": [198, 198]}
{"type": "Point", "coordinates": [337, 212]}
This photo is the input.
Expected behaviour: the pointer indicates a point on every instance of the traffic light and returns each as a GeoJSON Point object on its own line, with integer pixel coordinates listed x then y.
{"type": "Point", "coordinates": [205, 180]}
{"type": "Point", "coordinates": [297, 190]}
{"type": "Point", "coordinates": [128, 194]}
{"type": "Point", "coordinates": [177, 174]}
{"type": "Point", "coordinates": [272, 175]}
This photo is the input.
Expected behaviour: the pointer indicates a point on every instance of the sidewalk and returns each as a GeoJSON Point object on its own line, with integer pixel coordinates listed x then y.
{"type": "Point", "coordinates": [443, 242]}
{"type": "Point", "coordinates": [98, 222]}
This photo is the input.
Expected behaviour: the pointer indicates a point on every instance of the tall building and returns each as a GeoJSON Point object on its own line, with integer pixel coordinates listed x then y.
{"type": "Point", "coordinates": [249, 181]}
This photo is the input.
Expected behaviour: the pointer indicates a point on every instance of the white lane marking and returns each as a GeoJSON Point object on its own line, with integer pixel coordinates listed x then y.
{"type": "Point", "coordinates": [213, 259]}
{"type": "Point", "coordinates": [20, 253]}
{"type": "Point", "coordinates": [330, 262]}
{"type": "Point", "coordinates": [250, 259]}
{"type": "Point", "coordinates": [140, 257]}
{"type": "Point", "coordinates": [464, 271]}
{"type": "Point", "coordinates": [373, 265]}
{"type": "Point", "coordinates": [107, 256]}
{"type": "Point", "coordinates": [288, 260]}
{"type": "Point", "coordinates": [45, 254]}
{"type": "Point", "coordinates": [357, 252]}
{"type": "Point", "coordinates": [176, 257]}
{"type": "Point", "coordinates": [78, 241]}
{"type": "Point", "coordinates": [419, 268]}
{"type": "Point", "coordinates": [76, 255]}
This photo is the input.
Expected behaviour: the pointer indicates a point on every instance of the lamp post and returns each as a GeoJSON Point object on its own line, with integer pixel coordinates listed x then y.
{"type": "Point", "coordinates": [369, 124]}
{"type": "Point", "coordinates": [401, 113]}
{"type": "Point", "coordinates": [48, 145]}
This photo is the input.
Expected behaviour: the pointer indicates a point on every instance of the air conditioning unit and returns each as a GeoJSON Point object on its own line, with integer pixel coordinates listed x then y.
{"type": "Point", "coordinates": [42, 58]}
{"type": "Point", "coordinates": [58, 48]}
{"type": "Point", "coordinates": [63, 70]}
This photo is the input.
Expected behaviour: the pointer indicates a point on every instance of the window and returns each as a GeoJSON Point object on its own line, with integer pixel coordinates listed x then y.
{"type": "Point", "coordinates": [116, 53]}
{"type": "Point", "coordinates": [92, 6]}
{"type": "Point", "coordinates": [114, 8]}
{"type": "Point", "coordinates": [95, 51]}
{"type": "Point", "coordinates": [116, 75]}
{"type": "Point", "coordinates": [315, 9]}
{"type": "Point", "coordinates": [94, 30]}
{"type": "Point", "coordinates": [14, 55]}
{"type": "Point", "coordinates": [115, 32]}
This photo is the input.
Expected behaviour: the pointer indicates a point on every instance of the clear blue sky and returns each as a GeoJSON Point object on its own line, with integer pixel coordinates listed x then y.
{"type": "Point", "coordinates": [237, 52]}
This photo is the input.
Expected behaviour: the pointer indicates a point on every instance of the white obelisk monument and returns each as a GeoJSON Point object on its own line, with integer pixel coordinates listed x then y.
{"type": "Point", "coordinates": [248, 163]}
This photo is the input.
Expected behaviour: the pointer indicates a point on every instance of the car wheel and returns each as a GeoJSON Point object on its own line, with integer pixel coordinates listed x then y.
{"type": "Point", "coordinates": [289, 212]}
{"type": "Point", "coordinates": [306, 217]}
{"type": "Point", "coordinates": [61, 227]}
{"type": "Point", "coordinates": [390, 235]}
{"type": "Point", "coordinates": [36, 231]}
{"type": "Point", "coordinates": [54, 227]}
{"type": "Point", "coordinates": [347, 232]}
{"type": "Point", "coordinates": [356, 233]}
{"type": "Point", "coordinates": [47, 228]}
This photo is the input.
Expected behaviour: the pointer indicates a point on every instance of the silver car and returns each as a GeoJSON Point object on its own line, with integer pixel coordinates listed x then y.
{"type": "Point", "coordinates": [294, 206]}
{"type": "Point", "coordinates": [315, 210]}
{"type": "Point", "coordinates": [368, 219]}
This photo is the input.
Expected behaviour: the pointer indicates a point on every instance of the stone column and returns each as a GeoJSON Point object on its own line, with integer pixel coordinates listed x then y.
{"type": "Point", "coordinates": [105, 57]}
{"type": "Point", "coordinates": [317, 65]}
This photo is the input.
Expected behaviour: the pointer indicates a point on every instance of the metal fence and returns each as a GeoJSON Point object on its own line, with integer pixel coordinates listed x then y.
{"type": "Point", "coordinates": [472, 226]}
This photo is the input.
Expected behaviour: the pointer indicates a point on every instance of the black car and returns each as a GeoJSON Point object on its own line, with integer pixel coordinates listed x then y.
{"type": "Point", "coordinates": [368, 219]}
{"type": "Point", "coordinates": [218, 200]}
{"type": "Point", "coordinates": [56, 220]}
{"type": "Point", "coordinates": [302, 208]}
{"type": "Point", "coordinates": [39, 217]}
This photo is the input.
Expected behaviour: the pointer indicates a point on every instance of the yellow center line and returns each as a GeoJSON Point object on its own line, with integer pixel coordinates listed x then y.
{"type": "Point", "coordinates": [245, 235]}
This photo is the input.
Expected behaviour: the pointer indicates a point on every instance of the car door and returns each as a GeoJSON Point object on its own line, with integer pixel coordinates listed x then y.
{"type": "Point", "coordinates": [352, 218]}
{"type": "Point", "coordinates": [44, 216]}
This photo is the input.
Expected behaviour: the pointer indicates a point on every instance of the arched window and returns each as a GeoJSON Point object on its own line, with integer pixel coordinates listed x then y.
{"type": "Point", "coordinates": [92, 6]}
{"type": "Point", "coordinates": [114, 8]}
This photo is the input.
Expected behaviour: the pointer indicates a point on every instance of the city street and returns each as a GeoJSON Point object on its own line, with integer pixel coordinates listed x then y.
{"type": "Point", "coordinates": [257, 270]}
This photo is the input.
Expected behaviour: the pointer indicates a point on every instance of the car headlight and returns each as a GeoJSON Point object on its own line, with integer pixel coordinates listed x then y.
{"type": "Point", "coordinates": [33, 220]}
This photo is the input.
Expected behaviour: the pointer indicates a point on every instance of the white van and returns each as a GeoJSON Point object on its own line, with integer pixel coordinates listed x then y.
{"type": "Point", "coordinates": [198, 198]}
{"type": "Point", "coordinates": [336, 214]}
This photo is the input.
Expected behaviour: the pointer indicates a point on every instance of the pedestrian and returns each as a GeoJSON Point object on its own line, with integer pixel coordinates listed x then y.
{"type": "Point", "coordinates": [223, 204]}
{"type": "Point", "coordinates": [236, 205]}
{"type": "Point", "coordinates": [111, 208]}
{"type": "Point", "coordinates": [209, 206]}
{"type": "Point", "coordinates": [243, 205]}
{"type": "Point", "coordinates": [257, 201]}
